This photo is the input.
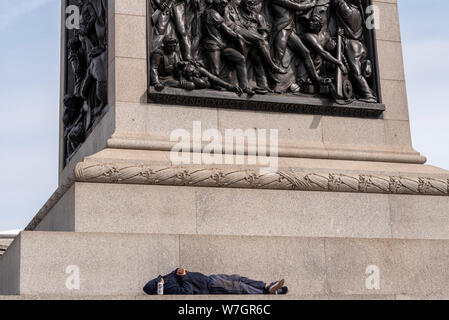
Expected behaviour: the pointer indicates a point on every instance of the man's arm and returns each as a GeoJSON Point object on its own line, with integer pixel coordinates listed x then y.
{"type": "Point", "coordinates": [295, 6]}
{"type": "Point", "coordinates": [227, 30]}
{"type": "Point", "coordinates": [172, 287]}
{"type": "Point", "coordinates": [315, 46]}
{"type": "Point", "coordinates": [216, 80]}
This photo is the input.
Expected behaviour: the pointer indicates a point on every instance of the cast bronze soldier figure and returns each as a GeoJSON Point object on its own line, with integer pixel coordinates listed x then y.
{"type": "Point", "coordinates": [87, 96]}
{"type": "Point", "coordinates": [351, 21]}
{"type": "Point", "coordinates": [164, 65]}
{"type": "Point", "coordinates": [174, 11]}
{"type": "Point", "coordinates": [284, 33]}
{"type": "Point", "coordinates": [73, 119]}
{"type": "Point", "coordinates": [318, 41]}
{"type": "Point", "coordinates": [253, 30]}
{"type": "Point", "coordinates": [299, 47]}
{"type": "Point", "coordinates": [216, 44]}
{"type": "Point", "coordinates": [195, 76]}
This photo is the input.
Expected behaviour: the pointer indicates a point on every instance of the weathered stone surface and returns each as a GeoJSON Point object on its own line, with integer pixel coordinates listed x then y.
{"type": "Point", "coordinates": [120, 264]}
{"type": "Point", "coordinates": [10, 269]}
{"type": "Point", "coordinates": [299, 260]}
{"type": "Point", "coordinates": [419, 218]}
{"type": "Point", "coordinates": [142, 297]}
{"type": "Point", "coordinates": [110, 264]}
{"type": "Point", "coordinates": [290, 213]}
{"type": "Point", "coordinates": [124, 208]}
{"type": "Point", "coordinates": [413, 267]}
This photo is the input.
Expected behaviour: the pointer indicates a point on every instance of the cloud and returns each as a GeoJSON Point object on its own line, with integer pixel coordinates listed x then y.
{"type": "Point", "coordinates": [12, 11]}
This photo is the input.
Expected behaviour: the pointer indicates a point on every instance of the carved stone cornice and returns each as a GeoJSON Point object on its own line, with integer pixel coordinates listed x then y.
{"type": "Point", "coordinates": [288, 179]}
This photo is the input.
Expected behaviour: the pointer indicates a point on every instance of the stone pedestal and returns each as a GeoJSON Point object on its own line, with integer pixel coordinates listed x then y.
{"type": "Point", "coordinates": [349, 193]}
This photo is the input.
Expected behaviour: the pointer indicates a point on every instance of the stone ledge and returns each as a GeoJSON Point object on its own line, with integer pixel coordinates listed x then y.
{"type": "Point", "coordinates": [328, 152]}
{"type": "Point", "coordinates": [288, 103]}
{"type": "Point", "coordinates": [206, 297]}
{"type": "Point", "coordinates": [114, 265]}
{"type": "Point", "coordinates": [222, 298]}
{"type": "Point", "coordinates": [230, 297]}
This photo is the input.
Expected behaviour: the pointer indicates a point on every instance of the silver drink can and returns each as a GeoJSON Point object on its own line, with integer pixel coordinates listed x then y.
{"type": "Point", "coordinates": [160, 288]}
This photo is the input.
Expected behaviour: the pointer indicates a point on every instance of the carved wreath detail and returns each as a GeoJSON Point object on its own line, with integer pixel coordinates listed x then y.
{"type": "Point", "coordinates": [253, 178]}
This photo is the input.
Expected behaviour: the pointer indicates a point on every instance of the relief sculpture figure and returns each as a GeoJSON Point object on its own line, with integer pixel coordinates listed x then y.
{"type": "Point", "coordinates": [164, 69]}
{"type": "Point", "coordinates": [217, 41]}
{"type": "Point", "coordinates": [284, 34]}
{"type": "Point", "coordinates": [351, 22]}
{"type": "Point", "coordinates": [263, 47]}
{"type": "Point", "coordinates": [252, 28]}
{"type": "Point", "coordinates": [86, 98]}
{"type": "Point", "coordinates": [174, 12]}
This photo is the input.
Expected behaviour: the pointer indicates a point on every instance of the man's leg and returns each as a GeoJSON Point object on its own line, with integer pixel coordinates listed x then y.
{"type": "Point", "coordinates": [280, 46]}
{"type": "Point", "coordinates": [180, 25]}
{"type": "Point", "coordinates": [259, 71]}
{"type": "Point", "coordinates": [253, 283]}
{"type": "Point", "coordinates": [160, 30]}
{"type": "Point", "coordinates": [239, 62]}
{"type": "Point", "coordinates": [258, 41]}
{"type": "Point", "coordinates": [235, 284]}
{"type": "Point", "coordinates": [355, 51]}
{"type": "Point", "coordinates": [214, 60]}
{"type": "Point", "coordinates": [298, 46]}
{"type": "Point", "coordinates": [172, 83]}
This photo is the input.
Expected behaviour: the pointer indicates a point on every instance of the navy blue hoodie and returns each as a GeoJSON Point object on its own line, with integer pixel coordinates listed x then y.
{"type": "Point", "coordinates": [190, 284]}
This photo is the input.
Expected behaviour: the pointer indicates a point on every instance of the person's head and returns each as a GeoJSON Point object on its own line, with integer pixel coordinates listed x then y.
{"type": "Point", "coordinates": [249, 5]}
{"type": "Point", "coordinates": [151, 287]}
{"type": "Point", "coordinates": [315, 24]}
{"type": "Point", "coordinates": [170, 44]}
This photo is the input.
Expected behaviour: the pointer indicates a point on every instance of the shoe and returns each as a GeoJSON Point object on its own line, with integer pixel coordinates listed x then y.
{"type": "Point", "coordinates": [259, 90]}
{"type": "Point", "coordinates": [275, 286]}
{"type": "Point", "coordinates": [369, 99]}
{"type": "Point", "coordinates": [283, 290]}
{"type": "Point", "coordinates": [249, 91]}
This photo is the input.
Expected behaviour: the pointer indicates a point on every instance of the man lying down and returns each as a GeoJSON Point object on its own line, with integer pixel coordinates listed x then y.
{"type": "Point", "coordinates": [182, 282]}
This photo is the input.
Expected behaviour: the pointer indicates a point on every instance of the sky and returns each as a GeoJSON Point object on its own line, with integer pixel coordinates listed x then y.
{"type": "Point", "coordinates": [29, 96]}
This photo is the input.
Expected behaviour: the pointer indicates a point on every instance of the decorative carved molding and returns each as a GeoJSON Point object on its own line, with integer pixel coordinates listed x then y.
{"type": "Point", "coordinates": [288, 179]}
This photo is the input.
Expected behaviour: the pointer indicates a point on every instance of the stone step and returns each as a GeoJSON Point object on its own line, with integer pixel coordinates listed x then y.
{"type": "Point", "coordinates": [123, 208]}
{"type": "Point", "coordinates": [224, 297]}
{"type": "Point", "coordinates": [112, 264]}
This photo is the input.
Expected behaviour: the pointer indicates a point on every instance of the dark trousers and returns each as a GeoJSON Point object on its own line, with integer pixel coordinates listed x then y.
{"type": "Point", "coordinates": [235, 284]}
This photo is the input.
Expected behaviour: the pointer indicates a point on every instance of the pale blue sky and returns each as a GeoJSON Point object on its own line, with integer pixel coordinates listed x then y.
{"type": "Point", "coordinates": [29, 94]}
